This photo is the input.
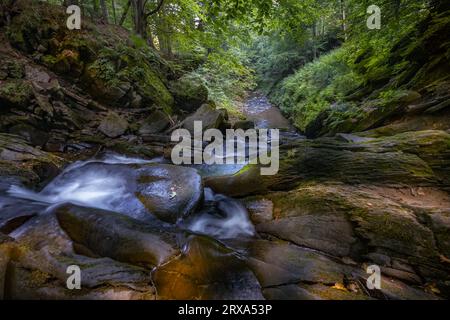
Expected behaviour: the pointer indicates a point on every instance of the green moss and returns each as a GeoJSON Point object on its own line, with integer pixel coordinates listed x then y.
{"type": "Point", "coordinates": [13, 68]}
{"type": "Point", "coordinates": [127, 65]}
{"type": "Point", "coordinates": [15, 93]}
{"type": "Point", "coordinates": [48, 60]}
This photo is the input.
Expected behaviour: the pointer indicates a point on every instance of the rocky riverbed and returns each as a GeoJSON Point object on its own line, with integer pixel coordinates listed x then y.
{"type": "Point", "coordinates": [86, 179]}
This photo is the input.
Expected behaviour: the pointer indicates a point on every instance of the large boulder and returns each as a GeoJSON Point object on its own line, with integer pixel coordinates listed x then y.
{"type": "Point", "coordinates": [210, 117]}
{"type": "Point", "coordinates": [22, 163]}
{"type": "Point", "coordinates": [189, 92]}
{"type": "Point", "coordinates": [412, 158]}
{"type": "Point", "coordinates": [404, 231]}
{"type": "Point", "coordinates": [140, 191]}
{"type": "Point", "coordinates": [279, 263]}
{"type": "Point", "coordinates": [113, 125]}
{"type": "Point", "coordinates": [206, 270]}
{"type": "Point", "coordinates": [156, 122]}
{"type": "Point", "coordinates": [16, 212]}
{"type": "Point", "coordinates": [38, 269]}
{"type": "Point", "coordinates": [169, 192]}
{"type": "Point", "coordinates": [117, 236]}
{"type": "Point", "coordinates": [32, 135]}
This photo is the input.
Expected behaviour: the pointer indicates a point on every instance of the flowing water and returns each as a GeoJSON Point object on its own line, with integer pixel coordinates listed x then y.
{"type": "Point", "coordinates": [108, 183]}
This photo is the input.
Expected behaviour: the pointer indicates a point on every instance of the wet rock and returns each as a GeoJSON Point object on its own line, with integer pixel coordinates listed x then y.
{"type": "Point", "coordinates": [155, 123]}
{"type": "Point", "coordinates": [55, 144]}
{"type": "Point", "coordinates": [259, 209]}
{"type": "Point", "coordinates": [209, 117]}
{"type": "Point", "coordinates": [311, 292]}
{"type": "Point", "coordinates": [408, 277]}
{"type": "Point", "coordinates": [16, 212]}
{"type": "Point", "coordinates": [5, 255]}
{"type": "Point", "coordinates": [307, 218]}
{"type": "Point", "coordinates": [113, 125]}
{"type": "Point", "coordinates": [169, 192]}
{"type": "Point", "coordinates": [289, 292]}
{"type": "Point", "coordinates": [245, 182]}
{"type": "Point", "coordinates": [393, 289]}
{"type": "Point", "coordinates": [13, 174]}
{"type": "Point", "coordinates": [362, 222]}
{"type": "Point", "coordinates": [325, 232]}
{"type": "Point", "coordinates": [189, 93]}
{"type": "Point", "coordinates": [113, 235]}
{"type": "Point", "coordinates": [278, 263]}
{"type": "Point", "coordinates": [244, 124]}
{"type": "Point", "coordinates": [4, 238]}
{"type": "Point", "coordinates": [43, 232]}
{"type": "Point", "coordinates": [132, 148]}
{"type": "Point", "coordinates": [206, 270]}
{"type": "Point", "coordinates": [42, 274]}
{"type": "Point", "coordinates": [413, 158]}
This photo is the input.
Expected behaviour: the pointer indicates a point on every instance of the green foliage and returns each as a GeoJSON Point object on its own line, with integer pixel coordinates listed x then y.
{"type": "Point", "coordinates": [315, 86]}
{"type": "Point", "coordinates": [226, 77]}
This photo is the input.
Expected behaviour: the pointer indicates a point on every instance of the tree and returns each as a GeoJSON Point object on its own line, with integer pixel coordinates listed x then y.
{"type": "Point", "coordinates": [104, 8]}
{"type": "Point", "coordinates": [141, 14]}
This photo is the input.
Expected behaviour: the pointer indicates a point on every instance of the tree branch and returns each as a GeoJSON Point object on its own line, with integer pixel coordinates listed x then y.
{"type": "Point", "coordinates": [158, 7]}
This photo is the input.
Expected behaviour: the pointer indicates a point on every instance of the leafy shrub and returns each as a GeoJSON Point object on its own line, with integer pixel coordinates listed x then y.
{"type": "Point", "coordinates": [226, 77]}
{"type": "Point", "coordinates": [315, 86]}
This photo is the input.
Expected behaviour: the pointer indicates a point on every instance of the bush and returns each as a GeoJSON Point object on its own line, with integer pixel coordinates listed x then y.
{"type": "Point", "coordinates": [316, 86]}
{"type": "Point", "coordinates": [226, 77]}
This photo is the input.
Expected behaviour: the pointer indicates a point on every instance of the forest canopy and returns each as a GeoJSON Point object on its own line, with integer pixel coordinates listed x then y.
{"type": "Point", "coordinates": [234, 46]}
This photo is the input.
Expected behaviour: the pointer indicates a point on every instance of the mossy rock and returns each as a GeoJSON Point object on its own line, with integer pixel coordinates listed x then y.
{"type": "Point", "coordinates": [110, 69]}
{"type": "Point", "coordinates": [11, 68]}
{"type": "Point", "coordinates": [189, 92]}
{"type": "Point", "coordinates": [15, 93]}
{"type": "Point", "coordinates": [113, 74]}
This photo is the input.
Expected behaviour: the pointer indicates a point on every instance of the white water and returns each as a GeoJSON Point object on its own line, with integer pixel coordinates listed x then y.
{"type": "Point", "coordinates": [103, 184]}
{"type": "Point", "coordinates": [108, 184]}
{"type": "Point", "coordinates": [230, 222]}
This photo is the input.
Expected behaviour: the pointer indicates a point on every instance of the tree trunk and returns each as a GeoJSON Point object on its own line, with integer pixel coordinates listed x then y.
{"type": "Point", "coordinates": [140, 18]}
{"type": "Point", "coordinates": [344, 18]}
{"type": "Point", "coordinates": [314, 39]}
{"type": "Point", "coordinates": [95, 9]}
{"type": "Point", "coordinates": [125, 12]}
{"type": "Point", "coordinates": [104, 11]}
{"type": "Point", "coordinates": [113, 4]}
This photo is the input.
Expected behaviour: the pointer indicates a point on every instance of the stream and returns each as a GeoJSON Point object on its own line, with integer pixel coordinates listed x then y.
{"type": "Point", "coordinates": [108, 182]}
{"type": "Point", "coordinates": [142, 227]}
